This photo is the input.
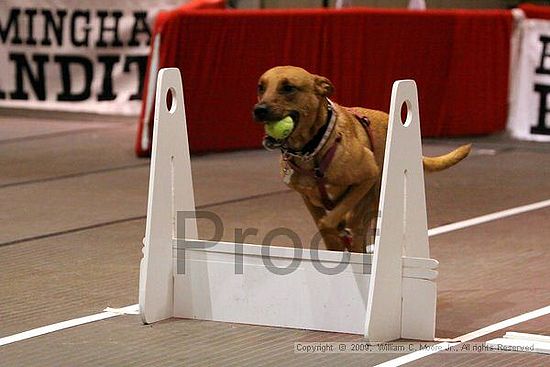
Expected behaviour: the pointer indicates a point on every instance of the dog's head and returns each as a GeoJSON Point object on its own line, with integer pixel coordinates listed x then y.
{"type": "Point", "coordinates": [291, 91]}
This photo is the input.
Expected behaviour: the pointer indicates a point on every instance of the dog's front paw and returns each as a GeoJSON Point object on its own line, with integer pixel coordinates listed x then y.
{"type": "Point", "coordinates": [327, 222]}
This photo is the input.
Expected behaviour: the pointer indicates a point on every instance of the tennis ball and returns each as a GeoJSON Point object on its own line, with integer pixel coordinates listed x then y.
{"type": "Point", "coordinates": [280, 129]}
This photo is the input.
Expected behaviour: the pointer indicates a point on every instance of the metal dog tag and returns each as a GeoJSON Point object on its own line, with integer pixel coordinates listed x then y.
{"type": "Point", "coordinates": [287, 174]}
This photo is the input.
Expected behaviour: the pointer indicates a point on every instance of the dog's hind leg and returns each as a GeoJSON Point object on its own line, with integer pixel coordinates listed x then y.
{"type": "Point", "coordinates": [360, 222]}
{"type": "Point", "coordinates": [364, 233]}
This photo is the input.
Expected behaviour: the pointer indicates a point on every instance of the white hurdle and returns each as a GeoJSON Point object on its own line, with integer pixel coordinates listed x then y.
{"type": "Point", "coordinates": [388, 295]}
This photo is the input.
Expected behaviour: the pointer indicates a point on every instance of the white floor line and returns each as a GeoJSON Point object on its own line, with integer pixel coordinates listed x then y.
{"type": "Point", "coordinates": [108, 313]}
{"type": "Point", "coordinates": [526, 336]}
{"type": "Point", "coordinates": [132, 309]}
{"type": "Point", "coordinates": [488, 218]}
{"type": "Point", "coordinates": [466, 337]}
{"type": "Point", "coordinates": [526, 343]}
{"type": "Point", "coordinates": [519, 345]}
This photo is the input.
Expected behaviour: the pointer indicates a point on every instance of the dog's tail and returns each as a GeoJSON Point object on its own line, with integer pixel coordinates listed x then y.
{"type": "Point", "coordinates": [434, 164]}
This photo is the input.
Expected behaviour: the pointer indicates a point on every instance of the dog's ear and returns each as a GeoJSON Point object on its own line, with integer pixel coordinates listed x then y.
{"type": "Point", "coordinates": [323, 86]}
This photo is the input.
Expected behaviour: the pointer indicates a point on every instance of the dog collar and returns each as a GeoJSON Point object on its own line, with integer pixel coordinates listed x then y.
{"type": "Point", "coordinates": [304, 155]}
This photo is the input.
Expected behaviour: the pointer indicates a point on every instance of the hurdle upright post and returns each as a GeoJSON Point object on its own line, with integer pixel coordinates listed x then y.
{"type": "Point", "coordinates": [170, 191]}
{"type": "Point", "coordinates": [393, 311]}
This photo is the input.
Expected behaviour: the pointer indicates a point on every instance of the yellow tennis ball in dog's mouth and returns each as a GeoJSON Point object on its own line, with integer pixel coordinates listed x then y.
{"type": "Point", "coordinates": [280, 129]}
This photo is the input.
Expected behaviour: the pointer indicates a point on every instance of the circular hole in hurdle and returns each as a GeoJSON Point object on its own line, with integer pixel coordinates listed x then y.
{"type": "Point", "coordinates": [171, 100]}
{"type": "Point", "coordinates": [406, 113]}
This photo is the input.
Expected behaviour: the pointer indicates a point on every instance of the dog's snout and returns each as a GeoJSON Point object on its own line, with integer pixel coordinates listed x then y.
{"type": "Point", "coordinates": [261, 111]}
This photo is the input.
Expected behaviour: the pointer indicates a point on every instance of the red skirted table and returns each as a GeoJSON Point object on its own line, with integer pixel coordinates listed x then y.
{"type": "Point", "coordinates": [459, 59]}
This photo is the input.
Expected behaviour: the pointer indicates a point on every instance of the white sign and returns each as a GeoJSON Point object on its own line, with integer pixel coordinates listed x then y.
{"type": "Point", "coordinates": [82, 56]}
{"type": "Point", "coordinates": [529, 116]}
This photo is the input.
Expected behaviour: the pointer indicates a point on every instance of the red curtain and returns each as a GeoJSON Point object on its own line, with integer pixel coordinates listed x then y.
{"type": "Point", "coordinates": [536, 11]}
{"type": "Point", "coordinates": [459, 59]}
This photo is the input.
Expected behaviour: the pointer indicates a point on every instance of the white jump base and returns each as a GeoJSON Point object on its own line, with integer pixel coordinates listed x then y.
{"type": "Point", "coordinates": [387, 295]}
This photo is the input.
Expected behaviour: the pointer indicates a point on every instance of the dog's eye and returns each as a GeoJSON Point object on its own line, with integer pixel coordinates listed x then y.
{"type": "Point", "coordinates": [261, 88]}
{"type": "Point", "coordinates": [287, 88]}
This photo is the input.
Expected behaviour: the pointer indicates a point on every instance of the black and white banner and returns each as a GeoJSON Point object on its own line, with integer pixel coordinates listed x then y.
{"type": "Point", "coordinates": [70, 55]}
{"type": "Point", "coordinates": [529, 116]}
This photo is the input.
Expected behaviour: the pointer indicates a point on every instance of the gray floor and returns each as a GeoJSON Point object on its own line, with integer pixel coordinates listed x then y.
{"type": "Point", "coordinates": [73, 206]}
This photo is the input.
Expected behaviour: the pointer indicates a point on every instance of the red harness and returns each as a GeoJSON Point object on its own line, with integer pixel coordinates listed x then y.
{"type": "Point", "coordinates": [365, 122]}
{"type": "Point", "coordinates": [318, 172]}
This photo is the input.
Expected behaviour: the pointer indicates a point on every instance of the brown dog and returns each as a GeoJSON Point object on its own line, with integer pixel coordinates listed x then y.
{"type": "Point", "coordinates": [334, 156]}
